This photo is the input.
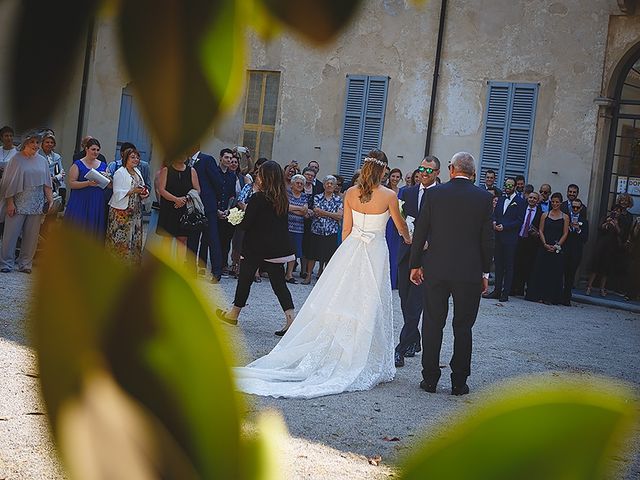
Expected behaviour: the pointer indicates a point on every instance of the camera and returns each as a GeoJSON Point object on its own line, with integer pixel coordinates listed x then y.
{"type": "Point", "coordinates": [241, 149]}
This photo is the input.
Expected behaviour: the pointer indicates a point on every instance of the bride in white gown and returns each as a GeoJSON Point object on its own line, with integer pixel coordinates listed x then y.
{"type": "Point", "coordinates": [342, 338]}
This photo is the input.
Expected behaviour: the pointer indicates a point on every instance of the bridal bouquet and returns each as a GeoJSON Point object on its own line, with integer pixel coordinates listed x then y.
{"type": "Point", "coordinates": [235, 216]}
{"type": "Point", "coordinates": [401, 206]}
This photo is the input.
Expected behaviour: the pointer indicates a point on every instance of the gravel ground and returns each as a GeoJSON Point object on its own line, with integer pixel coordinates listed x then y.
{"type": "Point", "coordinates": [332, 437]}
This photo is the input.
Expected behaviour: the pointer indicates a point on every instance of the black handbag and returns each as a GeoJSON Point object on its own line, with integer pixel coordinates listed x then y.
{"type": "Point", "coordinates": [192, 220]}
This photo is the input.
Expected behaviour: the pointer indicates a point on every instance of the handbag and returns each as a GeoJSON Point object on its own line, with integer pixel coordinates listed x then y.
{"type": "Point", "coordinates": [192, 220]}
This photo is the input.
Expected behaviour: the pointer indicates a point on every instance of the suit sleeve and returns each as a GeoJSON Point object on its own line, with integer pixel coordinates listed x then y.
{"type": "Point", "coordinates": [487, 238]}
{"type": "Point", "coordinates": [214, 175]}
{"type": "Point", "coordinates": [420, 233]}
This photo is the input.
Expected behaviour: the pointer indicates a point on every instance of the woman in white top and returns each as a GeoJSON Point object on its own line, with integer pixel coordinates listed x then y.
{"type": "Point", "coordinates": [124, 229]}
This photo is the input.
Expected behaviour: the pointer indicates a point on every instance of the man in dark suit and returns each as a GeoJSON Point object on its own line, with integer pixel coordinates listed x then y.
{"type": "Point", "coordinates": [508, 216]}
{"type": "Point", "coordinates": [572, 193]}
{"type": "Point", "coordinates": [490, 182]}
{"type": "Point", "coordinates": [573, 246]}
{"type": "Point", "coordinates": [456, 220]}
{"type": "Point", "coordinates": [528, 244]}
{"type": "Point", "coordinates": [411, 295]}
{"type": "Point", "coordinates": [207, 243]}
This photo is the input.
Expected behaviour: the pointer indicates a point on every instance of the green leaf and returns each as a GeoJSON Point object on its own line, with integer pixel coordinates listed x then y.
{"type": "Point", "coordinates": [44, 55]}
{"type": "Point", "coordinates": [552, 429]}
{"type": "Point", "coordinates": [170, 49]}
{"type": "Point", "coordinates": [318, 21]}
{"type": "Point", "coordinates": [265, 447]}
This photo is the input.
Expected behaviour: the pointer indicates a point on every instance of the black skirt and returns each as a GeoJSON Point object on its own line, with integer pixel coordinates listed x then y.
{"type": "Point", "coordinates": [322, 247]}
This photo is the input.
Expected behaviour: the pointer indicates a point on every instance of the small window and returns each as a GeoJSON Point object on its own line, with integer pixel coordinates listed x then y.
{"type": "Point", "coordinates": [260, 112]}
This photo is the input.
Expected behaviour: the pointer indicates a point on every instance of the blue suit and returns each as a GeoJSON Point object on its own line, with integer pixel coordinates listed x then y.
{"type": "Point", "coordinates": [411, 295]}
{"type": "Point", "coordinates": [207, 242]}
{"type": "Point", "coordinates": [506, 240]}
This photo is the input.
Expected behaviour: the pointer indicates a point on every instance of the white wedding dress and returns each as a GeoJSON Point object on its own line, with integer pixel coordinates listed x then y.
{"type": "Point", "coordinates": [342, 338]}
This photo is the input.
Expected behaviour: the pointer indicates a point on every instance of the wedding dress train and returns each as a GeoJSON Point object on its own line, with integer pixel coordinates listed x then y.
{"type": "Point", "coordinates": [342, 338]}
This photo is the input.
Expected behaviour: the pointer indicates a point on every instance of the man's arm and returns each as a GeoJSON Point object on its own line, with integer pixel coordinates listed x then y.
{"type": "Point", "coordinates": [420, 233]}
{"type": "Point", "coordinates": [487, 238]}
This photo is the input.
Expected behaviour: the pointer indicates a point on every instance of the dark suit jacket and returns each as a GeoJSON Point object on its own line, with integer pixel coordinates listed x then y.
{"type": "Point", "coordinates": [267, 234]}
{"type": "Point", "coordinates": [535, 221]}
{"type": "Point", "coordinates": [410, 197]}
{"type": "Point", "coordinates": [456, 218]}
{"type": "Point", "coordinates": [210, 179]}
{"type": "Point", "coordinates": [566, 208]}
{"type": "Point", "coordinates": [575, 241]}
{"type": "Point", "coordinates": [511, 220]}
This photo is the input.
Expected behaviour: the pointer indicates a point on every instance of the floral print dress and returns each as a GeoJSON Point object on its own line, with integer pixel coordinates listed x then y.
{"type": "Point", "coordinates": [124, 230]}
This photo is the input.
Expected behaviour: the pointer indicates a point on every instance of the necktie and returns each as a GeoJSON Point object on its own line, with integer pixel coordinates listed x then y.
{"type": "Point", "coordinates": [420, 198]}
{"type": "Point", "coordinates": [527, 223]}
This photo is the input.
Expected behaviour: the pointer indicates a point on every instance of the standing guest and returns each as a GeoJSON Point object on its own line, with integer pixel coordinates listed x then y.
{"type": "Point", "coordinates": [392, 235]}
{"type": "Point", "coordinates": [175, 182]}
{"type": "Point", "coordinates": [311, 187]}
{"type": "Point", "coordinates": [317, 184]}
{"type": "Point", "coordinates": [528, 188]}
{"type": "Point", "coordinates": [416, 177]}
{"type": "Point", "coordinates": [206, 244]}
{"type": "Point", "coordinates": [142, 166]}
{"type": "Point", "coordinates": [234, 167]}
{"type": "Point", "coordinates": [327, 213]}
{"type": "Point", "coordinates": [340, 190]}
{"type": "Point", "coordinates": [578, 236]}
{"type": "Point", "coordinates": [545, 191]}
{"type": "Point", "coordinates": [289, 172]}
{"type": "Point", "coordinates": [124, 230]}
{"type": "Point", "coordinates": [83, 148]}
{"type": "Point", "coordinates": [226, 200]}
{"type": "Point", "coordinates": [55, 164]}
{"type": "Point", "coordinates": [520, 184]}
{"type": "Point", "coordinates": [411, 295]}
{"type": "Point", "coordinates": [25, 195]}
{"type": "Point", "coordinates": [385, 178]}
{"type": "Point", "coordinates": [266, 243]}
{"type": "Point", "coordinates": [456, 263]}
{"type": "Point", "coordinates": [508, 217]}
{"type": "Point", "coordinates": [546, 279]}
{"type": "Point", "coordinates": [408, 179]}
{"type": "Point", "coordinates": [8, 149]}
{"type": "Point", "coordinates": [155, 210]}
{"type": "Point", "coordinates": [411, 179]}
{"type": "Point", "coordinates": [528, 243]}
{"type": "Point", "coordinates": [87, 207]}
{"type": "Point", "coordinates": [613, 233]}
{"type": "Point", "coordinates": [572, 193]}
{"type": "Point", "coordinates": [298, 210]}
{"type": "Point", "coordinates": [490, 182]}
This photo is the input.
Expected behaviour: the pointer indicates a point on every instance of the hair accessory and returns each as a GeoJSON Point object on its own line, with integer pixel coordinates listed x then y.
{"type": "Point", "coordinates": [376, 161]}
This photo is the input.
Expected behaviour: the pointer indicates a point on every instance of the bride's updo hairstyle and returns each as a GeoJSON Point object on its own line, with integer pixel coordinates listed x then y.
{"type": "Point", "coordinates": [371, 173]}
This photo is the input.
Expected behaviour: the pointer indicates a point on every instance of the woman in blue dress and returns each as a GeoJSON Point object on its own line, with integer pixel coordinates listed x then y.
{"type": "Point", "coordinates": [87, 206]}
{"type": "Point", "coordinates": [393, 237]}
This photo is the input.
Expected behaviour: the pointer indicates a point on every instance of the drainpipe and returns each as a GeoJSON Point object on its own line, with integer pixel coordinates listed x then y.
{"type": "Point", "coordinates": [436, 76]}
{"type": "Point", "coordinates": [85, 81]}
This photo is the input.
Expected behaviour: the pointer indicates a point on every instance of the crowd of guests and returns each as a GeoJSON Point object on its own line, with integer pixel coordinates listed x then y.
{"type": "Point", "coordinates": [539, 235]}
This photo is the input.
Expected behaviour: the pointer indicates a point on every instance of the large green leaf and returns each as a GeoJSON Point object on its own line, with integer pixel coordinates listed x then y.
{"type": "Point", "coordinates": [162, 43]}
{"type": "Point", "coordinates": [552, 430]}
{"type": "Point", "coordinates": [318, 21]}
{"type": "Point", "coordinates": [44, 55]}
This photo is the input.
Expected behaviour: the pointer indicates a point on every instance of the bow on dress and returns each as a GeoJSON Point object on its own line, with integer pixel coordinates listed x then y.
{"type": "Point", "coordinates": [366, 237]}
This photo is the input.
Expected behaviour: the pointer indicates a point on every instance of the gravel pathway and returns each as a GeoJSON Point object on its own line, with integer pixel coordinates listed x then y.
{"type": "Point", "coordinates": [332, 437]}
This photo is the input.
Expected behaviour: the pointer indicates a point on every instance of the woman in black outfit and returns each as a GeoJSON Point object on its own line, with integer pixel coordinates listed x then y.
{"type": "Point", "coordinates": [266, 243]}
{"type": "Point", "coordinates": [174, 183]}
{"type": "Point", "coordinates": [548, 272]}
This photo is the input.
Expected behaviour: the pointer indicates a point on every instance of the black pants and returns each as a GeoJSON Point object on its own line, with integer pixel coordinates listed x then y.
{"type": "Point", "coordinates": [225, 233]}
{"type": "Point", "coordinates": [572, 261]}
{"type": "Point", "coordinates": [526, 253]}
{"type": "Point", "coordinates": [504, 256]}
{"type": "Point", "coordinates": [466, 300]}
{"type": "Point", "coordinates": [248, 269]}
{"type": "Point", "coordinates": [206, 245]}
{"type": "Point", "coordinates": [411, 303]}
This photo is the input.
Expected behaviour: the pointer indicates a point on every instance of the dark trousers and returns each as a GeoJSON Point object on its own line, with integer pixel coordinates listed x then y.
{"type": "Point", "coordinates": [206, 243]}
{"type": "Point", "coordinates": [572, 259]}
{"type": "Point", "coordinates": [526, 253]}
{"type": "Point", "coordinates": [466, 300]}
{"type": "Point", "coordinates": [504, 256]}
{"type": "Point", "coordinates": [225, 234]}
{"type": "Point", "coordinates": [248, 269]}
{"type": "Point", "coordinates": [411, 303]}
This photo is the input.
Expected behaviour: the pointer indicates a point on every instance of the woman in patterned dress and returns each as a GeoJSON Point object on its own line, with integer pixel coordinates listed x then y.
{"type": "Point", "coordinates": [124, 229]}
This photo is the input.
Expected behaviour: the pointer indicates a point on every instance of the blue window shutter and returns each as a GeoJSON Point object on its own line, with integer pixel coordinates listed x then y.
{"type": "Point", "coordinates": [363, 122]}
{"type": "Point", "coordinates": [508, 129]}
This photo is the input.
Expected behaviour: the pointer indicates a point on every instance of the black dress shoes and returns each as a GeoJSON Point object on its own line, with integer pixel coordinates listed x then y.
{"type": "Point", "coordinates": [411, 351]}
{"type": "Point", "coordinates": [504, 298]}
{"type": "Point", "coordinates": [495, 295]}
{"type": "Point", "coordinates": [417, 347]}
{"type": "Point", "coordinates": [428, 387]}
{"type": "Point", "coordinates": [399, 360]}
{"type": "Point", "coordinates": [459, 390]}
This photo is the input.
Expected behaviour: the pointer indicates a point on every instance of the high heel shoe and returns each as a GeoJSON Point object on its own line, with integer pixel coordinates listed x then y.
{"type": "Point", "coordinates": [280, 333]}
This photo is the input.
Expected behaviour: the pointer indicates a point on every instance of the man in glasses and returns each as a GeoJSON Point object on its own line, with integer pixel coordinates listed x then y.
{"type": "Point", "coordinates": [456, 221]}
{"type": "Point", "coordinates": [412, 296]}
{"type": "Point", "coordinates": [508, 218]}
{"type": "Point", "coordinates": [572, 193]}
{"type": "Point", "coordinates": [573, 246]}
{"type": "Point", "coordinates": [545, 193]}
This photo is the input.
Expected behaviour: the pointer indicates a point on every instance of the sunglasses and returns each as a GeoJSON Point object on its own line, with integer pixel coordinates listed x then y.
{"type": "Point", "coordinates": [427, 170]}
{"type": "Point", "coordinates": [509, 185]}
{"type": "Point", "coordinates": [576, 207]}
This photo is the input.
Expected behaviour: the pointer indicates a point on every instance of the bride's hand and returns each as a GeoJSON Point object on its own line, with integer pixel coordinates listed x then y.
{"type": "Point", "coordinates": [407, 239]}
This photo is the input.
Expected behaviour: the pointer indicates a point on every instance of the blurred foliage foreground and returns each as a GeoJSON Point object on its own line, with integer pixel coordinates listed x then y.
{"type": "Point", "coordinates": [136, 376]}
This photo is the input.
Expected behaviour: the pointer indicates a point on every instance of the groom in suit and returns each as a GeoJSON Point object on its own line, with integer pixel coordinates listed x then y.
{"type": "Point", "coordinates": [411, 296]}
{"type": "Point", "coordinates": [456, 218]}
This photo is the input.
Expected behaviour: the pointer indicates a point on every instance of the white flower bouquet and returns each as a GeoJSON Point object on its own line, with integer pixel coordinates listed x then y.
{"type": "Point", "coordinates": [235, 216]}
